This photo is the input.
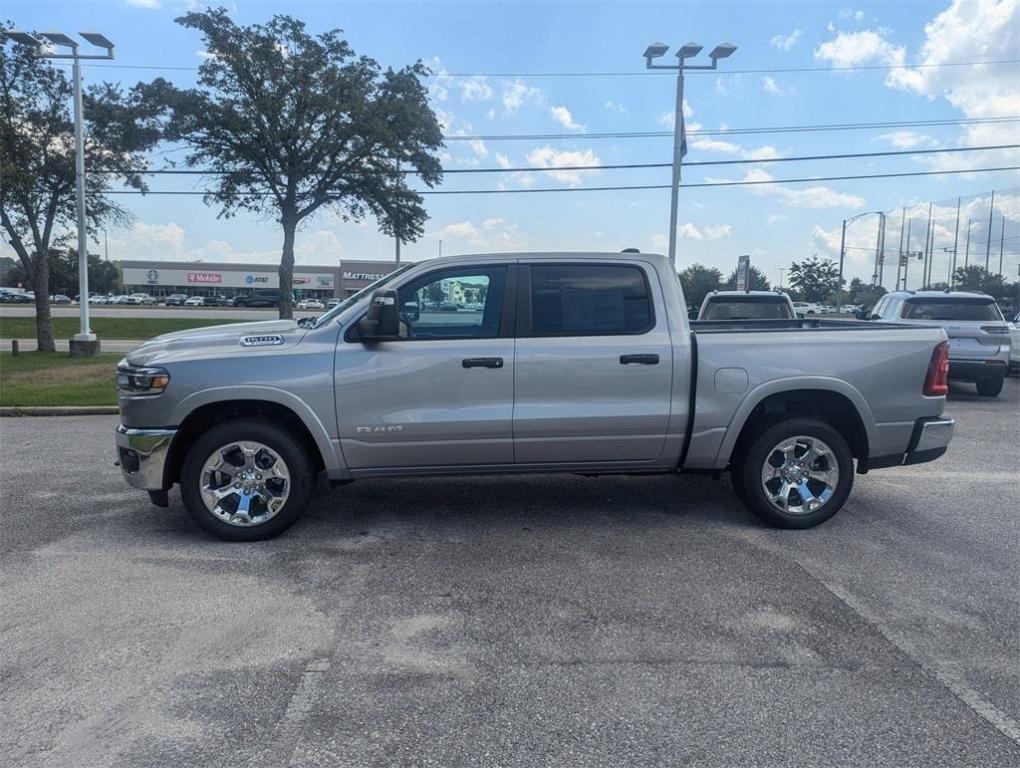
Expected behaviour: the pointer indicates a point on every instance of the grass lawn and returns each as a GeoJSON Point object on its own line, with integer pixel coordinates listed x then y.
{"type": "Point", "coordinates": [109, 327]}
{"type": "Point", "coordinates": [55, 378]}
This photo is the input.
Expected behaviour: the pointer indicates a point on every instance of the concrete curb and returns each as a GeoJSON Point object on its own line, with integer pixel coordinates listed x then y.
{"type": "Point", "coordinates": [60, 410]}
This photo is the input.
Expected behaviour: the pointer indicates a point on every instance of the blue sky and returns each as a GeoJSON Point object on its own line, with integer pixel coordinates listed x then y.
{"type": "Point", "coordinates": [776, 224]}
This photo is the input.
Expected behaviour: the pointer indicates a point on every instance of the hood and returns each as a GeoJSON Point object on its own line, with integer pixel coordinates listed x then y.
{"type": "Point", "coordinates": [214, 341]}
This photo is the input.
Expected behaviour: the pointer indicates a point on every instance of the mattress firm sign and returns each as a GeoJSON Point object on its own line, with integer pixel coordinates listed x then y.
{"type": "Point", "coordinates": [215, 278]}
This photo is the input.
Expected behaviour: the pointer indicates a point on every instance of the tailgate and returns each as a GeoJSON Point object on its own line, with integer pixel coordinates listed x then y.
{"type": "Point", "coordinates": [970, 340]}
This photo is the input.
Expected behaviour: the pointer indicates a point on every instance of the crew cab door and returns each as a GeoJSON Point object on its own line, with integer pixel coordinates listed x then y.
{"type": "Point", "coordinates": [442, 394]}
{"type": "Point", "coordinates": [594, 364]}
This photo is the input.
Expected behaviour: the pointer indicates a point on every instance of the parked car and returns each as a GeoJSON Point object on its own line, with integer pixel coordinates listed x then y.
{"type": "Point", "coordinates": [806, 308]}
{"type": "Point", "coordinates": [746, 305]}
{"type": "Point", "coordinates": [17, 296]}
{"type": "Point", "coordinates": [594, 370]}
{"type": "Point", "coordinates": [332, 303]}
{"type": "Point", "coordinates": [122, 299]}
{"type": "Point", "coordinates": [848, 309]}
{"type": "Point", "coordinates": [60, 298]}
{"type": "Point", "coordinates": [310, 304]}
{"type": "Point", "coordinates": [195, 301]}
{"type": "Point", "coordinates": [979, 345]}
{"type": "Point", "coordinates": [176, 299]}
{"type": "Point", "coordinates": [218, 301]}
{"type": "Point", "coordinates": [1014, 345]}
{"type": "Point", "coordinates": [265, 297]}
{"type": "Point", "coordinates": [141, 298]}
{"type": "Point", "coordinates": [97, 299]}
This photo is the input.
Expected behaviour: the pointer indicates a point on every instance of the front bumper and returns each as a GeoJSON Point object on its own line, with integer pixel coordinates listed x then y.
{"type": "Point", "coordinates": [141, 455]}
{"type": "Point", "coordinates": [929, 440]}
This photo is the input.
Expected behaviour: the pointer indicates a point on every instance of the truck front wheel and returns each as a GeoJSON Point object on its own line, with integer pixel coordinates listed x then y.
{"type": "Point", "coordinates": [246, 480]}
{"type": "Point", "coordinates": [796, 473]}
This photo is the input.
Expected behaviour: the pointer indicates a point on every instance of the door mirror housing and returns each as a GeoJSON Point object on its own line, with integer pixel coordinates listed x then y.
{"type": "Point", "coordinates": [382, 321]}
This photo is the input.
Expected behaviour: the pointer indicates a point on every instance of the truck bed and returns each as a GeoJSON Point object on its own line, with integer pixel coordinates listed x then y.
{"type": "Point", "coordinates": [795, 324]}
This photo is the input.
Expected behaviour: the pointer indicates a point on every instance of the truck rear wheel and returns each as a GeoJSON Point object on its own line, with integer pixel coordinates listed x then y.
{"type": "Point", "coordinates": [796, 473]}
{"type": "Point", "coordinates": [990, 387]}
{"type": "Point", "coordinates": [246, 480]}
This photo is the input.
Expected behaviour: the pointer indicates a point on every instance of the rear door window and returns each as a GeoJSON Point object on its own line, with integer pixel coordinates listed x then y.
{"type": "Point", "coordinates": [962, 310]}
{"type": "Point", "coordinates": [589, 300]}
{"type": "Point", "coordinates": [750, 308]}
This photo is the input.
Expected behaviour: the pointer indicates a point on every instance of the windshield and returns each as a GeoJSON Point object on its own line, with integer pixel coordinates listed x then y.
{"type": "Point", "coordinates": [354, 298]}
{"type": "Point", "coordinates": [977, 310]}
{"type": "Point", "coordinates": [748, 309]}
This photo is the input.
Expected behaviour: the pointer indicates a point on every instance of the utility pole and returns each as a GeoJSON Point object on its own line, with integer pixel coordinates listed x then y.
{"type": "Point", "coordinates": [1002, 240]}
{"type": "Point", "coordinates": [966, 253]}
{"type": "Point", "coordinates": [881, 267]}
{"type": "Point", "coordinates": [988, 240]}
{"type": "Point", "coordinates": [905, 259]}
{"type": "Point", "coordinates": [879, 247]}
{"type": "Point", "coordinates": [781, 271]}
{"type": "Point", "coordinates": [927, 246]}
{"type": "Point", "coordinates": [85, 342]}
{"type": "Point", "coordinates": [440, 249]}
{"type": "Point", "coordinates": [396, 229]}
{"type": "Point", "coordinates": [956, 244]}
{"type": "Point", "coordinates": [688, 51]}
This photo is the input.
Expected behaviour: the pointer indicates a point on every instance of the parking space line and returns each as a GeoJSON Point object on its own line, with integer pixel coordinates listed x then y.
{"type": "Point", "coordinates": [952, 681]}
{"type": "Point", "coordinates": [281, 748]}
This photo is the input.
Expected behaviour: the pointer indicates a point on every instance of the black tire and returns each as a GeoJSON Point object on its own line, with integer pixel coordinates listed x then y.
{"type": "Point", "coordinates": [990, 387]}
{"type": "Point", "coordinates": [746, 471]}
{"type": "Point", "coordinates": [278, 439]}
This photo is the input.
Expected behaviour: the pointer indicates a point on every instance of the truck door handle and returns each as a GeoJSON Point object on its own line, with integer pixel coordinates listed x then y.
{"type": "Point", "coordinates": [482, 362]}
{"type": "Point", "coordinates": [639, 359]}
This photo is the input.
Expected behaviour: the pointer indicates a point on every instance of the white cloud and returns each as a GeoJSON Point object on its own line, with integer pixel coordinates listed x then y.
{"type": "Point", "coordinates": [769, 85]}
{"type": "Point", "coordinates": [848, 14]}
{"type": "Point", "coordinates": [970, 32]}
{"type": "Point", "coordinates": [709, 232]}
{"type": "Point", "coordinates": [762, 153]}
{"type": "Point", "coordinates": [204, 54]}
{"type": "Point", "coordinates": [909, 140]}
{"type": "Point", "coordinates": [808, 197]}
{"type": "Point", "coordinates": [503, 160]}
{"type": "Point", "coordinates": [550, 157]}
{"type": "Point", "coordinates": [786, 42]}
{"type": "Point", "coordinates": [475, 88]}
{"type": "Point", "coordinates": [168, 242]}
{"type": "Point", "coordinates": [775, 218]}
{"type": "Point", "coordinates": [868, 46]}
{"type": "Point", "coordinates": [612, 106]}
{"type": "Point", "coordinates": [562, 116]}
{"type": "Point", "coordinates": [151, 5]}
{"type": "Point", "coordinates": [517, 94]}
{"type": "Point", "coordinates": [660, 241]}
{"type": "Point", "coordinates": [492, 234]}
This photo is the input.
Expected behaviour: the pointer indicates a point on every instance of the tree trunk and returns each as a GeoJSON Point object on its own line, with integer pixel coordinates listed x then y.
{"type": "Point", "coordinates": [289, 221]}
{"type": "Point", "coordinates": [43, 320]}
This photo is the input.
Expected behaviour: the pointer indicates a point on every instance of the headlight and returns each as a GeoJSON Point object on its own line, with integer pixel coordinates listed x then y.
{"type": "Point", "coordinates": [138, 380]}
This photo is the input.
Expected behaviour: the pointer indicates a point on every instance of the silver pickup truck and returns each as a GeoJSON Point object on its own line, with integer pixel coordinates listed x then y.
{"type": "Point", "coordinates": [547, 362]}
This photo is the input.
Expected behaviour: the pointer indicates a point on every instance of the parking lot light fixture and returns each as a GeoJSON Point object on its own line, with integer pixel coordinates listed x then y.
{"type": "Point", "coordinates": [84, 342]}
{"type": "Point", "coordinates": [842, 248]}
{"type": "Point", "coordinates": [687, 51]}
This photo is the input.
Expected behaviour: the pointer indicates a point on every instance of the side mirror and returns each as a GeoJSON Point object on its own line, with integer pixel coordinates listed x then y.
{"type": "Point", "coordinates": [875, 317]}
{"type": "Point", "coordinates": [382, 321]}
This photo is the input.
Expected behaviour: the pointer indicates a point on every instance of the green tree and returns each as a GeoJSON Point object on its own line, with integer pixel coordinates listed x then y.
{"type": "Point", "coordinates": [975, 278]}
{"type": "Point", "coordinates": [864, 294]}
{"type": "Point", "coordinates": [698, 281]}
{"type": "Point", "coordinates": [288, 123]}
{"type": "Point", "coordinates": [37, 173]}
{"type": "Point", "coordinates": [756, 280]}
{"type": "Point", "coordinates": [814, 278]}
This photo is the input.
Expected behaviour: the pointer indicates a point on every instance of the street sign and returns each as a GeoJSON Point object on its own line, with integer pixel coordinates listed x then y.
{"type": "Point", "coordinates": [743, 272]}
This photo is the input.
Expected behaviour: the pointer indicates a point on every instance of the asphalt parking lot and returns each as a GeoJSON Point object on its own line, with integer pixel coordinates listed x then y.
{"type": "Point", "coordinates": [521, 621]}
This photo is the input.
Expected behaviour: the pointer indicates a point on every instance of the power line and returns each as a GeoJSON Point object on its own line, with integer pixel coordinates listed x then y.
{"type": "Point", "coordinates": [623, 166]}
{"type": "Point", "coordinates": [737, 131]}
{"type": "Point", "coordinates": [636, 73]}
{"type": "Point", "coordinates": [809, 179]}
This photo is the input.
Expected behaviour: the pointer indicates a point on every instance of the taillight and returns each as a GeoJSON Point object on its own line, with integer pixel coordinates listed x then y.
{"type": "Point", "coordinates": [998, 329]}
{"type": "Point", "coordinates": [936, 384]}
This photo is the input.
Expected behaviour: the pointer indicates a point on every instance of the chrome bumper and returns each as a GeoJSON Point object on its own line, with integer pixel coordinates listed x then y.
{"type": "Point", "coordinates": [141, 455]}
{"type": "Point", "coordinates": [930, 439]}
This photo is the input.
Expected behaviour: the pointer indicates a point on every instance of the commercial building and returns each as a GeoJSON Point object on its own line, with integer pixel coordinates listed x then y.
{"type": "Point", "coordinates": [163, 278]}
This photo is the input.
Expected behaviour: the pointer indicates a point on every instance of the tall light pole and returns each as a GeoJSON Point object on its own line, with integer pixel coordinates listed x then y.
{"type": "Point", "coordinates": [781, 271]}
{"type": "Point", "coordinates": [688, 51]}
{"type": "Point", "coordinates": [85, 342]}
{"type": "Point", "coordinates": [842, 251]}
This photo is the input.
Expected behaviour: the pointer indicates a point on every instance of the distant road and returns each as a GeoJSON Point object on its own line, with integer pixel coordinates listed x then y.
{"type": "Point", "coordinates": [27, 310]}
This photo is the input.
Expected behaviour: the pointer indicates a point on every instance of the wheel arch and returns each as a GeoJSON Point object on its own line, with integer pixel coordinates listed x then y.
{"type": "Point", "coordinates": [830, 400]}
{"type": "Point", "coordinates": [199, 412]}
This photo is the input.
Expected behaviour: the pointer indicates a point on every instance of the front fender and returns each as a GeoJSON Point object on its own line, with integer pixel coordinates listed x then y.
{"type": "Point", "coordinates": [331, 457]}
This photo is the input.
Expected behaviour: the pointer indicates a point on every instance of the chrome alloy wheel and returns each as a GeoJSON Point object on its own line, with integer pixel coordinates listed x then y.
{"type": "Point", "coordinates": [245, 483]}
{"type": "Point", "coordinates": [800, 475]}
